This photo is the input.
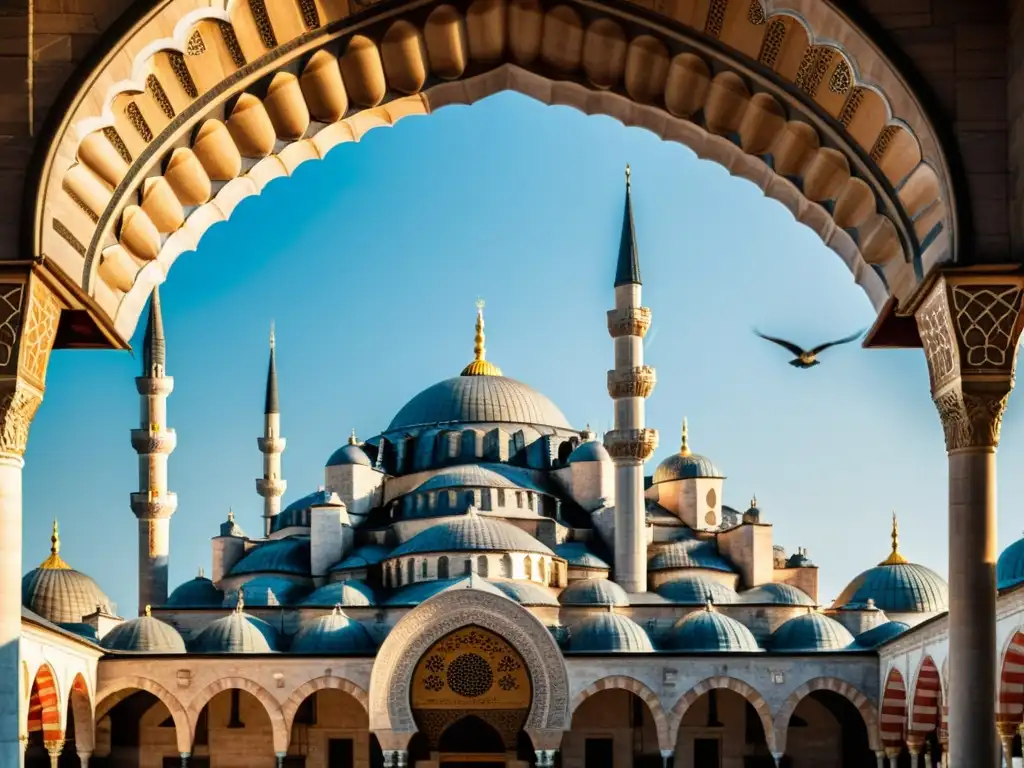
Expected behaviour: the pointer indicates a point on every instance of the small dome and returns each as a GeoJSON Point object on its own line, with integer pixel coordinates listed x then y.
{"type": "Point", "coordinates": [776, 594]}
{"type": "Point", "coordinates": [332, 633]}
{"type": "Point", "coordinates": [362, 557]}
{"type": "Point", "coordinates": [144, 635]}
{"type": "Point", "coordinates": [577, 555]}
{"type": "Point", "coordinates": [689, 553]}
{"type": "Point", "coordinates": [471, 533]}
{"type": "Point", "coordinates": [289, 556]}
{"type": "Point", "coordinates": [594, 592]}
{"type": "Point", "coordinates": [799, 559]}
{"type": "Point", "coordinates": [883, 633]}
{"type": "Point", "coordinates": [811, 632]}
{"type": "Point", "coordinates": [590, 450]}
{"type": "Point", "coordinates": [709, 630]}
{"type": "Point", "coordinates": [298, 512]}
{"type": "Point", "coordinates": [609, 633]}
{"type": "Point", "coordinates": [347, 594]}
{"type": "Point", "coordinates": [753, 513]}
{"type": "Point", "coordinates": [527, 593]}
{"type": "Point", "coordinates": [236, 633]}
{"type": "Point", "coordinates": [685, 465]}
{"type": "Point", "coordinates": [58, 592]}
{"type": "Point", "coordinates": [264, 591]}
{"type": "Point", "coordinates": [197, 593]}
{"type": "Point", "coordinates": [694, 589]}
{"type": "Point", "coordinates": [231, 528]}
{"type": "Point", "coordinates": [1010, 567]}
{"type": "Point", "coordinates": [351, 453]}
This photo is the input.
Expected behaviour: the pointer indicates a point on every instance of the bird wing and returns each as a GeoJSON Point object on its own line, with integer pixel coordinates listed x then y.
{"type": "Point", "coordinates": [782, 343]}
{"type": "Point", "coordinates": [846, 340]}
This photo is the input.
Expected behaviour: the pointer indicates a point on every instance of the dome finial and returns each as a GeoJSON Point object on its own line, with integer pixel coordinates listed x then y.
{"type": "Point", "coordinates": [753, 501]}
{"type": "Point", "coordinates": [352, 439]}
{"type": "Point", "coordinates": [709, 603]}
{"type": "Point", "coordinates": [273, 338]}
{"type": "Point", "coordinates": [231, 515]}
{"type": "Point", "coordinates": [55, 562]}
{"type": "Point", "coordinates": [337, 609]}
{"type": "Point", "coordinates": [202, 573]}
{"type": "Point", "coordinates": [628, 172]}
{"type": "Point", "coordinates": [684, 447]}
{"type": "Point", "coordinates": [480, 366]}
{"type": "Point", "coordinates": [149, 610]}
{"type": "Point", "coordinates": [895, 558]}
{"type": "Point", "coordinates": [240, 605]}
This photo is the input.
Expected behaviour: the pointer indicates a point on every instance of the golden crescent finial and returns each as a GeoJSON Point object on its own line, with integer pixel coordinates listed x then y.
{"type": "Point", "coordinates": [240, 605]}
{"type": "Point", "coordinates": [480, 366]}
{"type": "Point", "coordinates": [149, 610]}
{"type": "Point", "coordinates": [684, 447]}
{"type": "Point", "coordinates": [895, 558]}
{"type": "Point", "coordinates": [352, 439]}
{"type": "Point", "coordinates": [628, 172]}
{"type": "Point", "coordinates": [55, 539]}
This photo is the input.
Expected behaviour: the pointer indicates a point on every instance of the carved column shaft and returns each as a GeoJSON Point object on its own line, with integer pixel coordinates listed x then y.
{"type": "Point", "coordinates": [29, 314]}
{"type": "Point", "coordinates": [970, 326]}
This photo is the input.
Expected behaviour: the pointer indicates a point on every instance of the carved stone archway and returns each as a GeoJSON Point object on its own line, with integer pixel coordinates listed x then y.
{"type": "Point", "coordinates": [170, 131]}
{"type": "Point", "coordinates": [390, 681]}
{"type": "Point", "coordinates": [279, 732]}
{"type": "Point", "coordinates": [747, 691]}
{"type": "Point", "coordinates": [863, 704]}
{"type": "Point", "coordinates": [325, 683]}
{"type": "Point", "coordinates": [116, 690]}
{"type": "Point", "coordinates": [666, 739]}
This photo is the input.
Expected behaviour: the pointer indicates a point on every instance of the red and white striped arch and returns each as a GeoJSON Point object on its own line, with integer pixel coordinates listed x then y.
{"type": "Point", "coordinates": [44, 705]}
{"type": "Point", "coordinates": [925, 714]}
{"type": "Point", "coordinates": [894, 709]}
{"type": "Point", "coordinates": [1010, 708]}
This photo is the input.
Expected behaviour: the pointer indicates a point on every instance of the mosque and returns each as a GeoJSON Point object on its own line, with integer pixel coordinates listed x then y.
{"type": "Point", "coordinates": [484, 584]}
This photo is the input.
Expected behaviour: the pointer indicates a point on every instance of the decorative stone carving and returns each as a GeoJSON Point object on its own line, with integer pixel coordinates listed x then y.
{"type": "Point", "coordinates": [632, 382]}
{"type": "Point", "coordinates": [630, 321]}
{"type": "Point", "coordinates": [12, 296]}
{"type": "Point", "coordinates": [18, 405]}
{"type": "Point", "coordinates": [156, 507]}
{"type": "Point", "coordinates": [158, 440]}
{"type": "Point", "coordinates": [39, 333]}
{"type": "Point", "coordinates": [639, 444]}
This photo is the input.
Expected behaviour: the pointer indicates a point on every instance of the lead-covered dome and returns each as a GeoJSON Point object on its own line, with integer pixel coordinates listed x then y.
{"type": "Point", "coordinates": [1010, 566]}
{"type": "Point", "coordinates": [144, 635]}
{"type": "Point", "coordinates": [689, 553]}
{"type": "Point", "coordinates": [709, 630]}
{"type": "Point", "coordinates": [776, 593]}
{"type": "Point", "coordinates": [609, 633]}
{"type": "Point", "coordinates": [685, 465]}
{"type": "Point", "coordinates": [197, 593]}
{"type": "Point", "coordinates": [58, 592]}
{"type": "Point", "coordinates": [351, 453]}
{"type": "Point", "coordinates": [695, 589]}
{"type": "Point", "coordinates": [594, 592]}
{"type": "Point", "coordinates": [811, 632]}
{"type": "Point", "coordinates": [471, 532]}
{"type": "Point", "coordinates": [346, 594]}
{"type": "Point", "coordinates": [332, 633]}
{"type": "Point", "coordinates": [883, 633]}
{"type": "Point", "coordinates": [237, 632]}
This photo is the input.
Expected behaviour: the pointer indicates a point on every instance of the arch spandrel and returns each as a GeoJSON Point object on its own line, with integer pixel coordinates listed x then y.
{"type": "Point", "coordinates": [170, 132]}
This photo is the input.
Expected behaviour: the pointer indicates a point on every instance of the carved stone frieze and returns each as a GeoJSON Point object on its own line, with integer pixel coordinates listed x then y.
{"type": "Point", "coordinates": [154, 507]}
{"type": "Point", "coordinates": [637, 444]}
{"type": "Point", "coordinates": [147, 441]}
{"type": "Point", "coordinates": [19, 402]}
{"type": "Point", "coordinates": [629, 321]}
{"type": "Point", "coordinates": [632, 382]}
{"type": "Point", "coordinates": [938, 338]}
{"type": "Point", "coordinates": [145, 385]}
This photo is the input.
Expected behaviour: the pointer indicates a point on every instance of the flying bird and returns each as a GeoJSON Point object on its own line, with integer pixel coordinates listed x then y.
{"type": "Point", "coordinates": [808, 358]}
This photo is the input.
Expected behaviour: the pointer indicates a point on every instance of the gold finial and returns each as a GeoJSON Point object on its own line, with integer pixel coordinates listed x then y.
{"type": "Point", "coordinates": [480, 366]}
{"type": "Point", "coordinates": [149, 610]}
{"type": "Point", "coordinates": [273, 338]}
{"type": "Point", "coordinates": [352, 439]}
{"type": "Point", "coordinates": [337, 609]}
{"type": "Point", "coordinates": [240, 605]}
{"type": "Point", "coordinates": [231, 515]}
{"type": "Point", "coordinates": [202, 573]}
{"type": "Point", "coordinates": [895, 558]}
{"type": "Point", "coordinates": [628, 172]}
{"type": "Point", "coordinates": [684, 448]}
{"type": "Point", "coordinates": [55, 562]}
{"type": "Point", "coordinates": [753, 501]}
{"type": "Point", "coordinates": [709, 603]}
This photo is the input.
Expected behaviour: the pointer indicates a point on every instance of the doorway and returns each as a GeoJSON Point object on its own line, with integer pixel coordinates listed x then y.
{"type": "Point", "coordinates": [471, 743]}
{"type": "Point", "coordinates": [707, 753]}
{"type": "Point", "coordinates": [340, 753]}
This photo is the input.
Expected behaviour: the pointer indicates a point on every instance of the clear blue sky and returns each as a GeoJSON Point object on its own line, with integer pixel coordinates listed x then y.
{"type": "Point", "coordinates": [370, 262]}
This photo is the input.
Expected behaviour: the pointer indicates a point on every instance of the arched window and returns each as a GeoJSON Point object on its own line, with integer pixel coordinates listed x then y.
{"type": "Point", "coordinates": [387, 577]}
{"type": "Point", "coordinates": [442, 567]}
{"type": "Point", "coordinates": [423, 569]}
{"type": "Point", "coordinates": [481, 566]}
{"type": "Point", "coordinates": [506, 566]}
{"type": "Point", "coordinates": [501, 497]}
{"type": "Point", "coordinates": [519, 499]}
{"type": "Point", "coordinates": [528, 567]}
{"type": "Point", "coordinates": [543, 571]}
{"type": "Point", "coordinates": [467, 567]}
{"type": "Point", "coordinates": [410, 567]}
{"type": "Point", "coordinates": [398, 574]}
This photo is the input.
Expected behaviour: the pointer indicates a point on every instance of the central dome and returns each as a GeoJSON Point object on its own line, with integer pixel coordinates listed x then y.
{"type": "Point", "coordinates": [467, 399]}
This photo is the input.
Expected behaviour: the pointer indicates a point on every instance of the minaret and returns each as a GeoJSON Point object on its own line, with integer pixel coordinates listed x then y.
{"type": "Point", "coordinates": [153, 441]}
{"type": "Point", "coordinates": [630, 443]}
{"type": "Point", "coordinates": [271, 486]}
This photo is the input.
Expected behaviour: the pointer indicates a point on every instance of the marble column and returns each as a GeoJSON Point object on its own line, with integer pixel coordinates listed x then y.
{"type": "Point", "coordinates": [184, 759]}
{"type": "Point", "coordinates": [969, 324]}
{"type": "Point", "coordinates": [53, 749]}
{"type": "Point", "coordinates": [1006, 733]}
{"type": "Point", "coordinates": [545, 758]}
{"type": "Point", "coordinates": [83, 757]}
{"type": "Point", "coordinates": [12, 752]}
{"type": "Point", "coordinates": [666, 757]}
{"type": "Point", "coordinates": [280, 758]}
{"type": "Point", "coordinates": [880, 757]}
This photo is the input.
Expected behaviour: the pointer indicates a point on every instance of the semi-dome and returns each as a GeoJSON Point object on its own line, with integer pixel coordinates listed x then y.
{"type": "Point", "coordinates": [883, 633]}
{"type": "Point", "coordinates": [288, 556]}
{"type": "Point", "coordinates": [776, 594]}
{"type": "Point", "coordinates": [694, 589]}
{"type": "Point", "coordinates": [196, 593]}
{"type": "Point", "coordinates": [527, 592]}
{"type": "Point", "coordinates": [350, 454]}
{"type": "Point", "coordinates": [478, 476]}
{"type": "Point", "coordinates": [237, 632]}
{"type": "Point", "coordinates": [332, 633]}
{"type": "Point", "coordinates": [1010, 566]}
{"type": "Point", "coordinates": [144, 635]}
{"type": "Point", "coordinates": [266, 591]}
{"type": "Point", "coordinates": [709, 630]}
{"type": "Point", "coordinates": [898, 586]}
{"type": "Point", "coordinates": [689, 553]}
{"type": "Point", "coordinates": [421, 591]}
{"type": "Point", "coordinates": [609, 633]}
{"type": "Point", "coordinates": [685, 465]}
{"type": "Point", "coordinates": [347, 594]}
{"type": "Point", "coordinates": [298, 512]}
{"type": "Point", "coordinates": [594, 592]}
{"type": "Point", "coordinates": [362, 557]}
{"type": "Point", "coordinates": [589, 450]}
{"type": "Point", "coordinates": [471, 532]}
{"type": "Point", "coordinates": [58, 592]}
{"type": "Point", "coordinates": [576, 555]}
{"type": "Point", "coordinates": [811, 632]}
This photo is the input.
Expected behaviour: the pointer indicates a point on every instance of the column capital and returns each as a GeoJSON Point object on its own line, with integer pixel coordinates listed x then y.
{"type": "Point", "coordinates": [970, 326]}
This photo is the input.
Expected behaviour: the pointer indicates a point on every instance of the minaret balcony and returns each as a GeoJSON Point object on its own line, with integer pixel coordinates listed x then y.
{"type": "Point", "coordinates": [639, 444]}
{"type": "Point", "coordinates": [629, 321]}
{"type": "Point", "coordinates": [145, 385]}
{"type": "Point", "coordinates": [154, 440]}
{"type": "Point", "coordinates": [271, 487]}
{"type": "Point", "coordinates": [271, 444]}
{"type": "Point", "coordinates": [154, 506]}
{"type": "Point", "coordinates": [632, 382]}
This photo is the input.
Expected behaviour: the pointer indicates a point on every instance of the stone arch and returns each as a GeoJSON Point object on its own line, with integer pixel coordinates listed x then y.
{"type": "Point", "coordinates": [745, 690]}
{"type": "Point", "coordinates": [119, 688]}
{"type": "Point", "coordinates": [863, 704]}
{"type": "Point", "coordinates": [666, 740]}
{"type": "Point", "coordinates": [893, 722]}
{"type": "Point", "coordinates": [926, 702]}
{"type": "Point", "coordinates": [80, 701]}
{"type": "Point", "coordinates": [167, 135]}
{"type": "Point", "coordinates": [45, 704]}
{"type": "Point", "coordinates": [280, 733]}
{"type": "Point", "coordinates": [307, 689]}
{"type": "Point", "coordinates": [1010, 707]}
{"type": "Point", "coordinates": [442, 614]}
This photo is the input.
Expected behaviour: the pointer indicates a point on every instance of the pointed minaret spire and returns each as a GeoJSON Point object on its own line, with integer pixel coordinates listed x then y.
{"type": "Point", "coordinates": [627, 271]}
{"type": "Point", "coordinates": [154, 442]}
{"type": "Point", "coordinates": [271, 486]}
{"type": "Point", "coordinates": [895, 558]}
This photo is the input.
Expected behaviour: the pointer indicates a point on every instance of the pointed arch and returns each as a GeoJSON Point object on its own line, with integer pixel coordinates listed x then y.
{"type": "Point", "coordinates": [277, 723]}
{"type": "Point", "coordinates": [745, 690]}
{"type": "Point", "coordinates": [925, 708]}
{"type": "Point", "coordinates": [44, 705]}
{"type": "Point", "coordinates": [327, 682]}
{"type": "Point", "coordinates": [80, 702]}
{"type": "Point", "coordinates": [1010, 707]}
{"type": "Point", "coordinates": [863, 704]}
{"type": "Point", "coordinates": [894, 709]}
{"type": "Point", "coordinates": [118, 689]}
{"type": "Point", "coordinates": [665, 738]}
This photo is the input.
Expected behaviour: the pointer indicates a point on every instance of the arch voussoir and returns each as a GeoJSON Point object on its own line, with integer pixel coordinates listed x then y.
{"type": "Point", "coordinates": [835, 685]}
{"type": "Point", "coordinates": [735, 685]}
{"type": "Point", "coordinates": [639, 689]}
{"type": "Point", "coordinates": [310, 687]}
{"type": "Point", "coordinates": [279, 729]}
{"type": "Point", "coordinates": [113, 691]}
